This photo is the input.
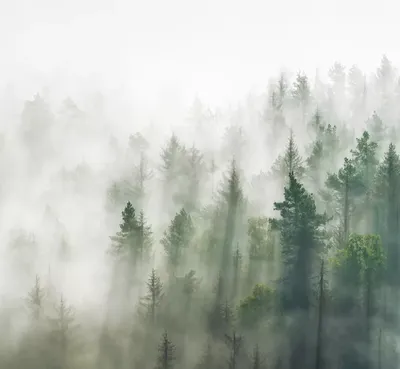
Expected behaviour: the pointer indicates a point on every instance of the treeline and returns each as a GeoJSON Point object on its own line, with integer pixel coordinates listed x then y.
{"type": "Point", "coordinates": [221, 281]}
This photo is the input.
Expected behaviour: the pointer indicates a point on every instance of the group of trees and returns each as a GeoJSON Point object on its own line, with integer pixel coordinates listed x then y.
{"type": "Point", "coordinates": [313, 282]}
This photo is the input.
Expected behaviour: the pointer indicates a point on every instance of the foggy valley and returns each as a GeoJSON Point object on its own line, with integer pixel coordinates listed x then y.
{"type": "Point", "coordinates": [197, 204]}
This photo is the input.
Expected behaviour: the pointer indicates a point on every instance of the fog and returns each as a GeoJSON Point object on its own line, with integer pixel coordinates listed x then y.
{"type": "Point", "coordinates": [199, 184]}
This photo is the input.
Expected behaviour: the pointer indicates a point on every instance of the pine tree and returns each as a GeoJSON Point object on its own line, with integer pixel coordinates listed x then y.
{"type": "Point", "coordinates": [144, 238]}
{"type": "Point", "coordinates": [166, 353]}
{"type": "Point", "coordinates": [315, 163]}
{"type": "Point", "coordinates": [301, 240]}
{"type": "Point", "coordinates": [364, 157]}
{"type": "Point", "coordinates": [35, 300]}
{"type": "Point", "coordinates": [376, 127]}
{"type": "Point", "coordinates": [154, 295]}
{"type": "Point", "coordinates": [124, 243]}
{"type": "Point", "coordinates": [386, 207]}
{"type": "Point", "coordinates": [234, 343]}
{"type": "Point", "coordinates": [171, 159]}
{"type": "Point", "coordinates": [177, 238]}
{"type": "Point", "coordinates": [342, 190]}
{"type": "Point", "coordinates": [256, 361]}
{"type": "Point", "coordinates": [302, 95]}
{"type": "Point", "coordinates": [237, 264]}
{"type": "Point", "coordinates": [233, 197]}
{"type": "Point", "coordinates": [61, 334]}
{"type": "Point", "coordinates": [291, 161]}
{"type": "Point", "coordinates": [194, 172]}
{"type": "Point", "coordinates": [141, 176]}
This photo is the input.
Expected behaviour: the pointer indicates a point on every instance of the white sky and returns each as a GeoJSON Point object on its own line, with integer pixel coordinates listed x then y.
{"type": "Point", "coordinates": [218, 48]}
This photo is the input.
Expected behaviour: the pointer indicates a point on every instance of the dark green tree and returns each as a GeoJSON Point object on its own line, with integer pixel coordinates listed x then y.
{"type": "Point", "coordinates": [124, 243]}
{"type": "Point", "coordinates": [301, 233]}
{"type": "Point", "coordinates": [177, 239]}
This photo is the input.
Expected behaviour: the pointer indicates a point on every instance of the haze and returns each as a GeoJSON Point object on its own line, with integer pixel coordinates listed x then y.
{"type": "Point", "coordinates": [218, 49]}
{"type": "Point", "coordinates": [199, 185]}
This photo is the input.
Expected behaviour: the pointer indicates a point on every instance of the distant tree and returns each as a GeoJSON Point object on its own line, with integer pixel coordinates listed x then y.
{"type": "Point", "coordinates": [376, 127]}
{"type": "Point", "coordinates": [154, 295]}
{"type": "Point", "coordinates": [177, 238]}
{"type": "Point", "coordinates": [301, 94]}
{"type": "Point", "coordinates": [62, 332]}
{"type": "Point", "coordinates": [166, 353]}
{"type": "Point", "coordinates": [234, 343]}
{"type": "Point", "coordinates": [342, 190]}
{"type": "Point", "coordinates": [124, 243]}
{"type": "Point", "coordinates": [291, 161]}
{"type": "Point", "coordinates": [35, 300]}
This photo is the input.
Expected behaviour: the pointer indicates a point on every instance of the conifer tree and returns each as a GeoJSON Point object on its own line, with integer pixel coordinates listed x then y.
{"type": "Point", "coordinates": [256, 361]}
{"type": "Point", "coordinates": [234, 343]}
{"type": "Point", "coordinates": [171, 157]}
{"type": "Point", "coordinates": [154, 295]}
{"type": "Point", "coordinates": [177, 238]}
{"type": "Point", "coordinates": [376, 127]}
{"type": "Point", "coordinates": [124, 243]}
{"type": "Point", "coordinates": [61, 335]}
{"type": "Point", "coordinates": [291, 161]}
{"type": "Point", "coordinates": [342, 190]}
{"type": "Point", "coordinates": [301, 240]}
{"type": "Point", "coordinates": [233, 196]}
{"type": "Point", "coordinates": [166, 353]}
{"type": "Point", "coordinates": [302, 95]}
{"type": "Point", "coordinates": [35, 300]}
{"type": "Point", "coordinates": [142, 175]}
{"type": "Point", "coordinates": [237, 264]}
{"type": "Point", "coordinates": [144, 238]}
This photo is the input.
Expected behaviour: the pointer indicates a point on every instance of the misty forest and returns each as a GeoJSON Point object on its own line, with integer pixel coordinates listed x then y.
{"type": "Point", "coordinates": [264, 234]}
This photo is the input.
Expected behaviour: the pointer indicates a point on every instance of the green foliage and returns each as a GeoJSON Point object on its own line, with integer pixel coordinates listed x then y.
{"type": "Point", "coordinates": [178, 237]}
{"type": "Point", "coordinates": [364, 157]}
{"type": "Point", "coordinates": [365, 251]}
{"type": "Point", "coordinates": [134, 240]}
{"type": "Point", "coordinates": [256, 306]}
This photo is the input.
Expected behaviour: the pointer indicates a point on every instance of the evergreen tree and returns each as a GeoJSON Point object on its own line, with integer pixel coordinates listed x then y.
{"type": "Point", "coordinates": [141, 176]}
{"type": "Point", "coordinates": [302, 95]}
{"type": "Point", "coordinates": [301, 239]}
{"type": "Point", "coordinates": [124, 243]}
{"type": "Point", "coordinates": [342, 190]}
{"type": "Point", "coordinates": [171, 157]}
{"type": "Point", "coordinates": [256, 361]}
{"type": "Point", "coordinates": [61, 335]}
{"type": "Point", "coordinates": [234, 343]}
{"type": "Point", "coordinates": [376, 127]}
{"type": "Point", "coordinates": [233, 196]}
{"type": "Point", "coordinates": [386, 209]}
{"type": "Point", "coordinates": [154, 295]}
{"type": "Point", "coordinates": [166, 353]}
{"type": "Point", "coordinates": [35, 300]}
{"type": "Point", "coordinates": [177, 238]}
{"type": "Point", "coordinates": [291, 161]}
{"type": "Point", "coordinates": [144, 238]}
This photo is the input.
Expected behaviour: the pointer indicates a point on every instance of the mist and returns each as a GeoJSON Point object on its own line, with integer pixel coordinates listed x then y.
{"type": "Point", "coordinates": [199, 185]}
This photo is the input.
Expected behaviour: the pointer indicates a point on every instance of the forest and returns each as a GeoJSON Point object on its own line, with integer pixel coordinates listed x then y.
{"type": "Point", "coordinates": [261, 235]}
